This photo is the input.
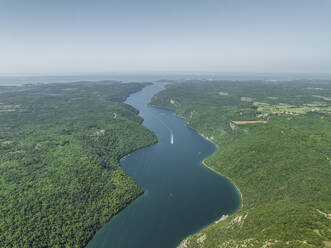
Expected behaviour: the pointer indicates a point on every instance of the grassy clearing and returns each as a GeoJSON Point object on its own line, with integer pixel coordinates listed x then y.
{"type": "Point", "coordinates": [246, 99]}
{"type": "Point", "coordinates": [323, 97]}
{"type": "Point", "coordinates": [249, 122]}
{"type": "Point", "coordinates": [222, 93]}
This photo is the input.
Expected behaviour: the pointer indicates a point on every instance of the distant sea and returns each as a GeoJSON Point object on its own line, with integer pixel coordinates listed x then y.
{"type": "Point", "coordinates": [21, 80]}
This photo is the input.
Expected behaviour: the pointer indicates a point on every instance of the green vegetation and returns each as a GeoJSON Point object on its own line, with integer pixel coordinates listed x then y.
{"type": "Point", "coordinates": [281, 164]}
{"type": "Point", "coordinates": [60, 146]}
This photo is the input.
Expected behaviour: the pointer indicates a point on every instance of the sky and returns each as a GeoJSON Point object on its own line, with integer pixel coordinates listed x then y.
{"type": "Point", "coordinates": [168, 36]}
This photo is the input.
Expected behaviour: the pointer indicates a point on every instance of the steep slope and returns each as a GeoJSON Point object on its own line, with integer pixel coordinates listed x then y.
{"type": "Point", "coordinates": [60, 144]}
{"type": "Point", "coordinates": [274, 144]}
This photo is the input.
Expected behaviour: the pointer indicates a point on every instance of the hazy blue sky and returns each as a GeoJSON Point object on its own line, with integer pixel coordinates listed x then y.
{"type": "Point", "coordinates": [79, 37]}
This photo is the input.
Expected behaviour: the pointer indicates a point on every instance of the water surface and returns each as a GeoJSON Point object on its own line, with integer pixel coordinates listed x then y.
{"type": "Point", "coordinates": [181, 195]}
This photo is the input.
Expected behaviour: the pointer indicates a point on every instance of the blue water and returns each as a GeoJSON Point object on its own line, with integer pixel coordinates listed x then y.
{"type": "Point", "coordinates": [181, 195]}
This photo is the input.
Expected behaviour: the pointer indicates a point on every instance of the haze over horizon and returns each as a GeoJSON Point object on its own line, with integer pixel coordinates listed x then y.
{"type": "Point", "coordinates": [104, 37]}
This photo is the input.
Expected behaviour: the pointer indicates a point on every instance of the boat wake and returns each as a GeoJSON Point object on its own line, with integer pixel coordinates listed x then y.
{"type": "Point", "coordinates": [170, 130]}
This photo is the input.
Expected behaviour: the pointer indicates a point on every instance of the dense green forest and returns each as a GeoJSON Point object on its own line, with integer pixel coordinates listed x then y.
{"type": "Point", "coordinates": [60, 146]}
{"type": "Point", "coordinates": [274, 141]}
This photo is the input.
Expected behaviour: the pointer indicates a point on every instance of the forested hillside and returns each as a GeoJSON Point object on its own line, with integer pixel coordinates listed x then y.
{"type": "Point", "coordinates": [274, 144]}
{"type": "Point", "coordinates": [60, 146]}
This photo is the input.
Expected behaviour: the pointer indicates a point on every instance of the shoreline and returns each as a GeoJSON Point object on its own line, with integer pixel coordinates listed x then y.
{"type": "Point", "coordinates": [208, 167]}
{"type": "Point", "coordinates": [212, 169]}
{"type": "Point", "coordinates": [228, 178]}
{"type": "Point", "coordinates": [203, 162]}
{"type": "Point", "coordinates": [182, 244]}
{"type": "Point", "coordinates": [119, 160]}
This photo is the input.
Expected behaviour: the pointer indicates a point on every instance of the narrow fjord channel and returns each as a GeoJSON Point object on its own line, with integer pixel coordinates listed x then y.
{"type": "Point", "coordinates": [181, 195]}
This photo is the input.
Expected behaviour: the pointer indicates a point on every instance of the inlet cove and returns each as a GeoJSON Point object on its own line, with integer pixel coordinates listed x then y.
{"type": "Point", "coordinates": [173, 163]}
{"type": "Point", "coordinates": [181, 195]}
